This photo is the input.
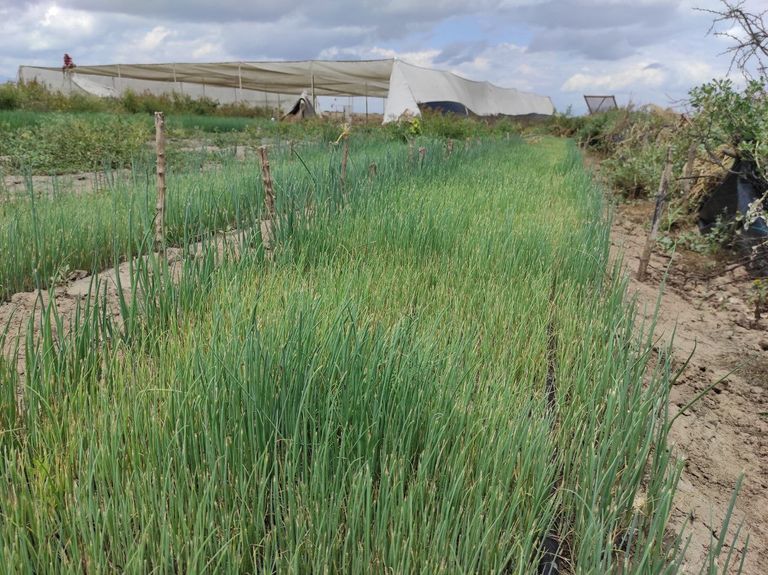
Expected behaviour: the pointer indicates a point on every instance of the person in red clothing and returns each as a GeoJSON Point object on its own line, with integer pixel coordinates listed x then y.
{"type": "Point", "coordinates": [68, 63]}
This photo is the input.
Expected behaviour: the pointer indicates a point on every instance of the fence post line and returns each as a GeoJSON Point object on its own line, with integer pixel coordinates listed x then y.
{"type": "Point", "coordinates": [160, 203]}
{"type": "Point", "coordinates": [267, 223]}
{"type": "Point", "coordinates": [661, 198]}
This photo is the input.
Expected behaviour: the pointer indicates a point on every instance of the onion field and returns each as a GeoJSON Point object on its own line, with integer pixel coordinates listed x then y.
{"type": "Point", "coordinates": [436, 371]}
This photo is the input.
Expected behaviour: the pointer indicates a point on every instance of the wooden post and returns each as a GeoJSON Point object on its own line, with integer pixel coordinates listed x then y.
{"type": "Point", "coordinates": [344, 158]}
{"type": "Point", "coordinates": [239, 90]}
{"type": "Point", "coordinates": [160, 204]}
{"type": "Point", "coordinates": [372, 169]}
{"type": "Point", "coordinates": [688, 168]}
{"type": "Point", "coordinates": [314, 99]}
{"type": "Point", "coordinates": [267, 223]}
{"type": "Point", "coordinates": [422, 155]}
{"type": "Point", "coordinates": [449, 148]}
{"type": "Point", "coordinates": [661, 198]}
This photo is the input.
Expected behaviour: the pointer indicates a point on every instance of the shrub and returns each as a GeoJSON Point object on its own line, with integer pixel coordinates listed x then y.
{"type": "Point", "coordinates": [725, 116]}
{"type": "Point", "coordinates": [635, 171]}
{"type": "Point", "coordinates": [10, 98]}
{"type": "Point", "coordinates": [71, 143]}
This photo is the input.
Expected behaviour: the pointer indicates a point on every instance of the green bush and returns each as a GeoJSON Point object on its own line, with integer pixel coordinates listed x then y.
{"type": "Point", "coordinates": [635, 171]}
{"type": "Point", "coordinates": [67, 143]}
{"type": "Point", "coordinates": [173, 103]}
{"type": "Point", "coordinates": [739, 120]}
{"type": "Point", "coordinates": [37, 97]}
{"type": "Point", "coordinates": [564, 125]}
{"type": "Point", "coordinates": [440, 125]}
{"type": "Point", "coordinates": [10, 99]}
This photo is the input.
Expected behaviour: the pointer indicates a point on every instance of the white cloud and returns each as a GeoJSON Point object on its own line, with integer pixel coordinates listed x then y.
{"type": "Point", "coordinates": [638, 75]}
{"type": "Point", "coordinates": [424, 58]}
{"type": "Point", "coordinates": [56, 18]}
{"type": "Point", "coordinates": [653, 50]}
{"type": "Point", "coordinates": [154, 38]}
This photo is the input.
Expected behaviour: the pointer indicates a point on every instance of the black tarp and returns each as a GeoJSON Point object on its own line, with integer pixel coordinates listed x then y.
{"type": "Point", "coordinates": [732, 197]}
{"type": "Point", "coordinates": [446, 107]}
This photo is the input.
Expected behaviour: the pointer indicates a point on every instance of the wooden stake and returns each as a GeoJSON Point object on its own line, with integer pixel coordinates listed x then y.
{"type": "Point", "coordinates": [160, 205]}
{"type": "Point", "coordinates": [449, 148]}
{"type": "Point", "coordinates": [267, 235]}
{"type": "Point", "coordinates": [422, 155]}
{"type": "Point", "coordinates": [688, 168]}
{"type": "Point", "coordinates": [372, 169]}
{"type": "Point", "coordinates": [661, 199]}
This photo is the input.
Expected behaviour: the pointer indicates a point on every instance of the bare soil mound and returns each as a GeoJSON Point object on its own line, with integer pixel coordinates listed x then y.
{"type": "Point", "coordinates": [725, 434]}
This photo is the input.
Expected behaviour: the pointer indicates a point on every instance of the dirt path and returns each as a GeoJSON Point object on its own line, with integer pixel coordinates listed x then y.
{"type": "Point", "coordinates": [726, 434]}
{"type": "Point", "coordinates": [17, 186]}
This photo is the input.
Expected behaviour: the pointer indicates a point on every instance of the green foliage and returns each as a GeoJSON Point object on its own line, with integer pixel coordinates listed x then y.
{"type": "Point", "coordinates": [565, 125]}
{"type": "Point", "coordinates": [71, 143]}
{"type": "Point", "coordinates": [441, 125]}
{"type": "Point", "coordinates": [173, 103]}
{"type": "Point", "coordinates": [602, 131]}
{"type": "Point", "coordinates": [371, 399]}
{"type": "Point", "coordinates": [404, 130]}
{"type": "Point", "coordinates": [635, 170]}
{"type": "Point", "coordinates": [36, 97]}
{"type": "Point", "coordinates": [738, 119]}
{"type": "Point", "coordinates": [208, 124]}
{"type": "Point", "coordinates": [759, 296]}
{"type": "Point", "coordinates": [10, 99]}
{"type": "Point", "coordinates": [634, 141]}
{"type": "Point", "coordinates": [434, 124]}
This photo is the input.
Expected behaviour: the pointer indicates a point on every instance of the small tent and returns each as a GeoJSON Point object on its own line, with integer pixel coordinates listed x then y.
{"type": "Point", "coordinates": [301, 109]}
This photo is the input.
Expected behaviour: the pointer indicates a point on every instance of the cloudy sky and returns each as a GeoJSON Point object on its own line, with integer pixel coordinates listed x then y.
{"type": "Point", "coordinates": [640, 50]}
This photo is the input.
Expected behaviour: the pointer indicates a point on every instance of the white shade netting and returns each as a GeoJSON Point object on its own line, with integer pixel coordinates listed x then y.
{"type": "Point", "coordinates": [281, 84]}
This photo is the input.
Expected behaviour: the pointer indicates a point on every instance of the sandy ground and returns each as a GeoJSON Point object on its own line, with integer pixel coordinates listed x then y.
{"type": "Point", "coordinates": [726, 434]}
{"type": "Point", "coordinates": [17, 313]}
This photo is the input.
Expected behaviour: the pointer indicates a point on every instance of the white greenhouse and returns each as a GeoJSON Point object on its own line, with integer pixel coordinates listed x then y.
{"type": "Point", "coordinates": [399, 87]}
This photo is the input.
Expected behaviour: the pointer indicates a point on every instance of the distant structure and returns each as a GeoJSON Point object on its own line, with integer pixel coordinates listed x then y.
{"type": "Point", "coordinates": [283, 86]}
{"type": "Point", "coordinates": [597, 104]}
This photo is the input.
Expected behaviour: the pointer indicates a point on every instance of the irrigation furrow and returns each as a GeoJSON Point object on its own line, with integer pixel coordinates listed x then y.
{"type": "Point", "coordinates": [551, 544]}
